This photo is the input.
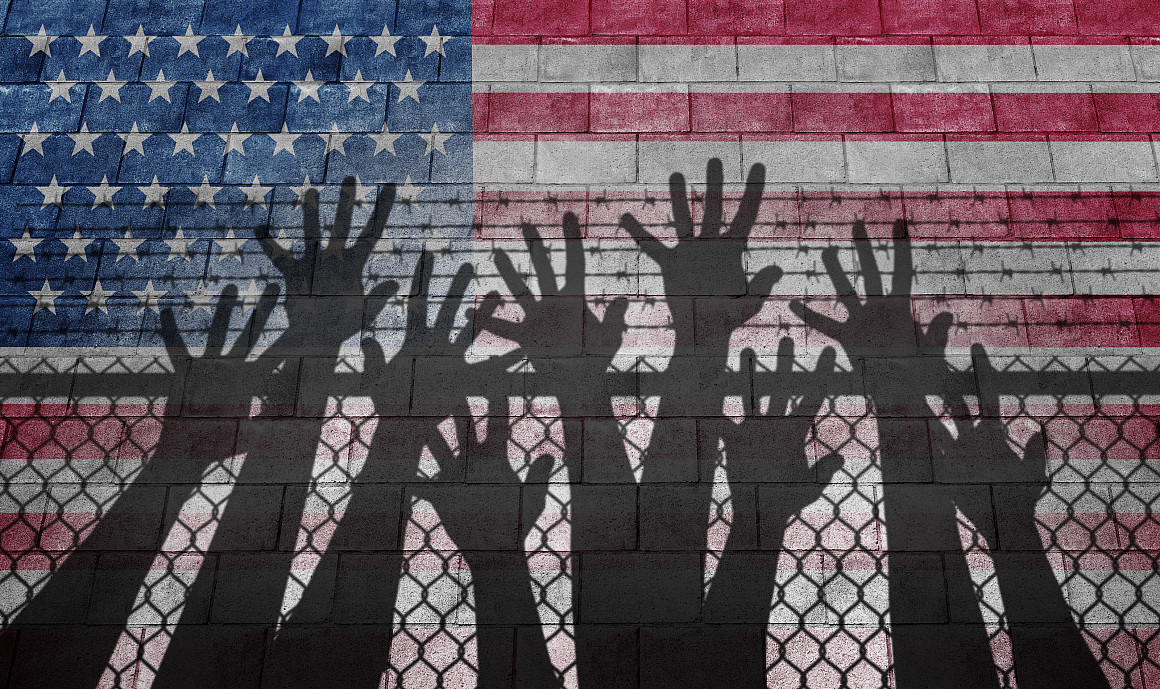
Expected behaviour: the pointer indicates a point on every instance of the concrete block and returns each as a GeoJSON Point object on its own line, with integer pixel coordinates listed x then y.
{"type": "Point", "coordinates": [896, 162]}
{"type": "Point", "coordinates": [993, 162]}
{"type": "Point", "coordinates": [1103, 161]}
{"type": "Point", "coordinates": [661, 157]}
{"type": "Point", "coordinates": [688, 63]}
{"type": "Point", "coordinates": [579, 63]}
{"type": "Point", "coordinates": [786, 63]}
{"type": "Point", "coordinates": [1083, 62]}
{"type": "Point", "coordinates": [796, 159]}
{"type": "Point", "coordinates": [885, 62]}
{"type": "Point", "coordinates": [593, 160]}
{"type": "Point", "coordinates": [984, 62]}
{"type": "Point", "coordinates": [504, 62]}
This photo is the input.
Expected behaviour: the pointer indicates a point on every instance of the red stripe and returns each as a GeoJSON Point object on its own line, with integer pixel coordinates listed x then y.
{"type": "Point", "coordinates": [790, 215]}
{"type": "Point", "coordinates": [1061, 113]}
{"type": "Point", "coordinates": [1067, 19]}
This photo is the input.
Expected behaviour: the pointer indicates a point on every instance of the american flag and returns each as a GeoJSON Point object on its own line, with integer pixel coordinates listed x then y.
{"type": "Point", "coordinates": [159, 161]}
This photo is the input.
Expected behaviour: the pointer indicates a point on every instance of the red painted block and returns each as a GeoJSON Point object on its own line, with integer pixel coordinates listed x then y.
{"type": "Point", "coordinates": [928, 17]}
{"type": "Point", "coordinates": [842, 112]}
{"type": "Point", "coordinates": [503, 213]}
{"type": "Point", "coordinates": [1128, 112]}
{"type": "Point", "coordinates": [832, 214]}
{"type": "Point", "coordinates": [1118, 17]}
{"type": "Point", "coordinates": [1138, 214]}
{"type": "Point", "coordinates": [479, 103]}
{"type": "Point", "coordinates": [833, 17]}
{"type": "Point", "coordinates": [639, 112]}
{"type": "Point", "coordinates": [538, 112]}
{"type": "Point", "coordinates": [737, 17]}
{"type": "Point", "coordinates": [1081, 322]}
{"type": "Point", "coordinates": [639, 17]}
{"type": "Point", "coordinates": [541, 18]}
{"type": "Point", "coordinates": [1148, 320]}
{"type": "Point", "coordinates": [943, 112]}
{"type": "Point", "coordinates": [1026, 17]}
{"type": "Point", "coordinates": [1045, 112]}
{"type": "Point", "coordinates": [741, 112]}
{"type": "Point", "coordinates": [482, 15]}
{"type": "Point", "coordinates": [958, 215]}
{"type": "Point", "coordinates": [989, 322]}
{"type": "Point", "coordinates": [1062, 215]}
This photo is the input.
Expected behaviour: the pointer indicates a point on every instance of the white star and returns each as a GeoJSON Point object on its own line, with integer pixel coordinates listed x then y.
{"type": "Point", "coordinates": [434, 42]}
{"type": "Point", "coordinates": [308, 88]}
{"type": "Point", "coordinates": [103, 193]}
{"type": "Point", "coordinates": [179, 245]}
{"type": "Point", "coordinates": [205, 193]}
{"type": "Point", "coordinates": [434, 140]}
{"type": "Point", "coordinates": [139, 42]}
{"type": "Point", "coordinates": [231, 246]}
{"type": "Point", "coordinates": [287, 43]}
{"type": "Point", "coordinates": [237, 42]}
{"type": "Point", "coordinates": [300, 192]}
{"type": "Point", "coordinates": [97, 297]}
{"type": "Point", "coordinates": [110, 88]}
{"type": "Point", "coordinates": [256, 193]}
{"type": "Point", "coordinates": [90, 42]}
{"type": "Point", "coordinates": [33, 140]}
{"type": "Point", "coordinates": [336, 141]}
{"type": "Point", "coordinates": [358, 88]}
{"type": "Point", "coordinates": [284, 141]}
{"type": "Point", "coordinates": [134, 140]}
{"type": "Point", "coordinates": [284, 242]}
{"type": "Point", "coordinates": [159, 87]}
{"type": "Point", "coordinates": [409, 192]}
{"type": "Point", "coordinates": [234, 140]}
{"type": "Point", "coordinates": [45, 298]}
{"type": "Point", "coordinates": [40, 43]}
{"type": "Point", "coordinates": [60, 88]}
{"type": "Point", "coordinates": [385, 43]}
{"type": "Point", "coordinates": [384, 140]}
{"type": "Point", "coordinates": [83, 140]}
{"type": "Point", "coordinates": [188, 42]}
{"type": "Point", "coordinates": [199, 298]}
{"type": "Point", "coordinates": [335, 42]}
{"type": "Point", "coordinates": [209, 88]}
{"type": "Point", "coordinates": [25, 246]}
{"type": "Point", "coordinates": [53, 193]}
{"type": "Point", "coordinates": [128, 246]}
{"type": "Point", "coordinates": [154, 194]}
{"type": "Point", "coordinates": [76, 245]}
{"type": "Point", "coordinates": [408, 87]}
{"type": "Point", "coordinates": [183, 140]}
{"type": "Point", "coordinates": [259, 88]}
{"type": "Point", "coordinates": [147, 298]}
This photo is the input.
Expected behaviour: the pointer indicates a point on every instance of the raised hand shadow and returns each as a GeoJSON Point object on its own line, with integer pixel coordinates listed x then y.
{"type": "Point", "coordinates": [1047, 646]}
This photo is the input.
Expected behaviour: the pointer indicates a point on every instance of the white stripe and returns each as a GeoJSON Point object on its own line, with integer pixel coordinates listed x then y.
{"type": "Point", "coordinates": [843, 63]}
{"type": "Point", "coordinates": [617, 160]}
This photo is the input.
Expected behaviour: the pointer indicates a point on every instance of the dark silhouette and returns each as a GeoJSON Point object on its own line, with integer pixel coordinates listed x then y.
{"type": "Point", "coordinates": [639, 610]}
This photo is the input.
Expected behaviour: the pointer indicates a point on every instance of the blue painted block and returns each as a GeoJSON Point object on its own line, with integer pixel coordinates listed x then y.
{"type": "Point", "coordinates": [256, 17]}
{"type": "Point", "coordinates": [361, 160]}
{"type": "Point", "coordinates": [453, 17]}
{"type": "Point", "coordinates": [114, 56]}
{"type": "Point", "coordinates": [408, 56]}
{"type": "Point", "coordinates": [135, 107]}
{"type": "Point", "coordinates": [15, 62]}
{"type": "Point", "coordinates": [23, 104]}
{"type": "Point", "coordinates": [311, 57]}
{"type": "Point", "coordinates": [335, 107]}
{"type": "Point", "coordinates": [448, 105]}
{"type": "Point", "coordinates": [353, 17]}
{"type": "Point", "coordinates": [284, 168]}
{"type": "Point", "coordinates": [211, 57]}
{"type": "Point", "coordinates": [59, 17]}
{"type": "Point", "coordinates": [257, 115]}
{"type": "Point", "coordinates": [69, 162]}
{"type": "Point", "coordinates": [165, 17]}
{"type": "Point", "coordinates": [175, 167]}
